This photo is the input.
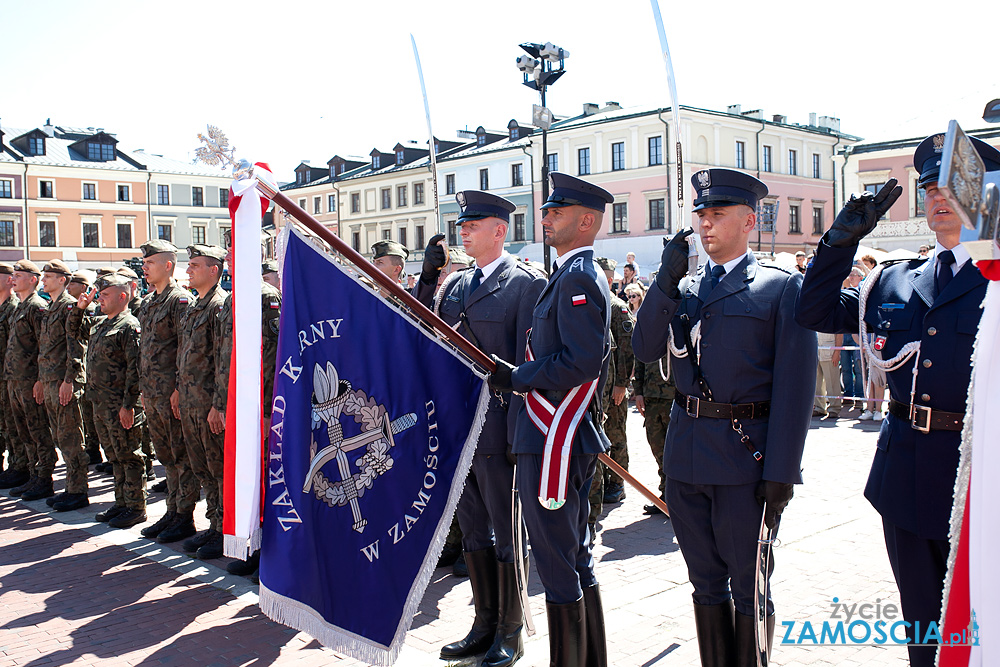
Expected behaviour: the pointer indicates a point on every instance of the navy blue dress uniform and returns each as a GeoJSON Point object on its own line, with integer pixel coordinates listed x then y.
{"type": "Point", "coordinates": [493, 309]}
{"type": "Point", "coordinates": [912, 478]}
{"type": "Point", "coordinates": [760, 366]}
{"type": "Point", "coordinates": [570, 343]}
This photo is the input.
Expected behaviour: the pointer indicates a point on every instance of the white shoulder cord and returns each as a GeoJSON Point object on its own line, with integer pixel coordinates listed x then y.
{"type": "Point", "coordinates": [440, 292]}
{"type": "Point", "coordinates": [868, 355]}
{"type": "Point", "coordinates": [682, 352]}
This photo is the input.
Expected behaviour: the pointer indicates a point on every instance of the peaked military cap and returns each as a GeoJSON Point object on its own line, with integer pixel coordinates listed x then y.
{"type": "Point", "coordinates": [27, 266]}
{"type": "Point", "coordinates": [270, 266]}
{"type": "Point", "coordinates": [927, 157]}
{"type": "Point", "coordinates": [726, 187]}
{"type": "Point", "coordinates": [84, 277]}
{"type": "Point", "coordinates": [6, 268]}
{"type": "Point", "coordinates": [56, 266]}
{"type": "Point", "coordinates": [606, 264]}
{"type": "Point", "coordinates": [104, 270]}
{"type": "Point", "coordinates": [477, 205]}
{"type": "Point", "coordinates": [128, 273]}
{"type": "Point", "coordinates": [572, 191]}
{"type": "Point", "coordinates": [111, 280]}
{"type": "Point", "coordinates": [389, 248]}
{"type": "Point", "coordinates": [156, 246]}
{"type": "Point", "coordinates": [210, 251]}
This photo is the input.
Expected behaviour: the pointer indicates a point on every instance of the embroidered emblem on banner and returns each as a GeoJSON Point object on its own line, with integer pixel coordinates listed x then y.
{"type": "Point", "coordinates": [334, 397]}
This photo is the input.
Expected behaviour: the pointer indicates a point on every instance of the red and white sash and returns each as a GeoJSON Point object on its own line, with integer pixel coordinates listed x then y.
{"type": "Point", "coordinates": [559, 424]}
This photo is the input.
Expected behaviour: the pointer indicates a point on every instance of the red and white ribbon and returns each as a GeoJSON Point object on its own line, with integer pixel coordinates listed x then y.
{"type": "Point", "coordinates": [559, 424]}
{"type": "Point", "coordinates": [242, 480]}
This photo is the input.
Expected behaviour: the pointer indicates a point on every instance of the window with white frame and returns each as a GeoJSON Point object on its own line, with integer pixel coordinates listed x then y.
{"type": "Point", "coordinates": [767, 158]}
{"type": "Point", "coordinates": [519, 226]}
{"type": "Point", "coordinates": [91, 234]}
{"type": "Point", "coordinates": [418, 194]}
{"type": "Point", "coordinates": [90, 191]}
{"type": "Point", "coordinates": [741, 155]}
{"type": "Point", "coordinates": [794, 221]}
{"type": "Point", "coordinates": [793, 162]}
{"type": "Point", "coordinates": [165, 232]}
{"type": "Point", "coordinates": [484, 179]}
{"type": "Point", "coordinates": [223, 197]}
{"type": "Point", "coordinates": [817, 220]}
{"type": "Point", "coordinates": [197, 196]}
{"type": "Point", "coordinates": [6, 188]}
{"type": "Point", "coordinates": [516, 174]}
{"type": "Point", "coordinates": [6, 233]}
{"type": "Point", "coordinates": [401, 195]}
{"type": "Point", "coordinates": [817, 170]}
{"type": "Point", "coordinates": [124, 234]}
{"type": "Point", "coordinates": [163, 195]}
{"type": "Point", "coordinates": [47, 233]}
{"type": "Point", "coordinates": [198, 234]}
{"type": "Point", "coordinates": [657, 214]}
{"type": "Point", "coordinates": [619, 218]}
{"type": "Point", "coordinates": [618, 156]}
{"type": "Point", "coordinates": [331, 203]}
{"type": "Point", "coordinates": [553, 162]}
{"type": "Point", "coordinates": [386, 198]}
{"type": "Point", "coordinates": [583, 161]}
{"type": "Point", "coordinates": [124, 192]}
{"type": "Point", "coordinates": [655, 150]}
{"type": "Point", "coordinates": [46, 190]}
{"type": "Point", "coordinates": [317, 205]}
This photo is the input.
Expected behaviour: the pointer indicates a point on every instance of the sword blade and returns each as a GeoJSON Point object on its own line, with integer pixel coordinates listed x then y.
{"type": "Point", "coordinates": [430, 131]}
{"type": "Point", "coordinates": [520, 554]}
{"type": "Point", "coordinates": [765, 540]}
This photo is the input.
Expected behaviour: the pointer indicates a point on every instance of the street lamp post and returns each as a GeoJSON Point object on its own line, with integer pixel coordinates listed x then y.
{"type": "Point", "coordinates": [543, 65]}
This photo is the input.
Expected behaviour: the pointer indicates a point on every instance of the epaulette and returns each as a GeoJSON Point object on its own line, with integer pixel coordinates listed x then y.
{"type": "Point", "coordinates": [530, 270]}
{"type": "Point", "coordinates": [890, 262]}
{"type": "Point", "coordinates": [775, 266]}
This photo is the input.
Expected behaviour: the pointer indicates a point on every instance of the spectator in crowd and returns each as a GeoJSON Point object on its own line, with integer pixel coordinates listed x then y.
{"type": "Point", "coordinates": [629, 273]}
{"type": "Point", "coordinates": [925, 251]}
{"type": "Point", "coordinates": [634, 294]}
{"type": "Point", "coordinates": [828, 400]}
{"type": "Point", "coordinates": [850, 359]}
{"type": "Point", "coordinates": [868, 263]}
{"type": "Point", "coordinates": [800, 261]}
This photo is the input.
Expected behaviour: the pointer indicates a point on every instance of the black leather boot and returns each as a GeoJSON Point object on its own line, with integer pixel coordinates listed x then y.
{"type": "Point", "coordinates": [41, 489]}
{"type": "Point", "coordinates": [28, 483]}
{"type": "Point", "coordinates": [508, 646]}
{"type": "Point", "coordinates": [152, 531]}
{"type": "Point", "coordinates": [245, 567]}
{"type": "Point", "coordinates": [181, 528]}
{"type": "Point", "coordinates": [597, 644]}
{"type": "Point", "coordinates": [567, 634]}
{"type": "Point", "coordinates": [483, 577]}
{"type": "Point", "coordinates": [746, 643]}
{"type": "Point", "coordinates": [716, 634]}
{"type": "Point", "coordinates": [13, 478]}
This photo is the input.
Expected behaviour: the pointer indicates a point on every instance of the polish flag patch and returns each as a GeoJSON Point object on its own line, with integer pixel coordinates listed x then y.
{"type": "Point", "coordinates": [579, 299]}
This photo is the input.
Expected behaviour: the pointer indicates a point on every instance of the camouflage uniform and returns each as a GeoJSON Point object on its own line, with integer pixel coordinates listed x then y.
{"type": "Point", "coordinates": [21, 370]}
{"type": "Point", "coordinates": [619, 372]}
{"type": "Point", "coordinates": [658, 393]}
{"type": "Point", "coordinates": [60, 359]}
{"type": "Point", "coordinates": [161, 316]}
{"type": "Point", "coordinates": [196, 379]}
{"type": "Point", "coordinates": [135, 305]}
{"type": "Point", "coordinates": [270, 304]}
{"type": "Point", "coordinates": [7, 426]}
{"type": "Point", "coordinates": [112, 384]}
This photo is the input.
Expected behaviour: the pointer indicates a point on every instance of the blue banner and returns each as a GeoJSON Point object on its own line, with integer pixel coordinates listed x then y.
{"type": "Point", "coordinates": [372, 434]}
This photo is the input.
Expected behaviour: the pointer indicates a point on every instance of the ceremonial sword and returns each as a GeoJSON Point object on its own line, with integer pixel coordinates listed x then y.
{"type": "Point", "coordinates": [520, 556]}
{"type": "Point", "coordinates": [765, 542]}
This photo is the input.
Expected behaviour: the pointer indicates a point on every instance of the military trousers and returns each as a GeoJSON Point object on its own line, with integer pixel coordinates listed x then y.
{"type": "Point", "coordinates": [656, 422]}
{"type": "Point", "coordinates": [67, 431]}
{"type": "Point", "coordinates": [560, 539]}
{"type": "Point", "coordinates": [90, 439]}
{"type": "Point", "coordinates": [614, 427]}
{"type": "Point", "coordinates": [597, 493]}
{"type": "Point", "coordinates": [121, 447]}
{"type": "Point", "coordinates": [17, 457]}
{"type": "Point", "coordinates": [717, 528]}
{"type": "Point", "coordinates": [484, 511]}
{"type": "Point", "coordinates": [205, 452]}
{"type": "Point", "coordinates": [183, 487]}
{"type": "Point", "coordinates": [32, 428]}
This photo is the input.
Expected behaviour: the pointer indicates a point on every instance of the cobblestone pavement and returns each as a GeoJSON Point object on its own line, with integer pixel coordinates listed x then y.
{"type": "Point", "coordinates": [73, 591]}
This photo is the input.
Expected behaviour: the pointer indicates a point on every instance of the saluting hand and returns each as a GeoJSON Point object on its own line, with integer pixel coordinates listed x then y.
{"type": "Point", "coordinates": [860, 215]}
{"type": "Point", "coordinates": [86, 298]}
{"type": "Point", "coordinates": [673, 263]}
{"type": "Point", "coordinates": [435, 258]}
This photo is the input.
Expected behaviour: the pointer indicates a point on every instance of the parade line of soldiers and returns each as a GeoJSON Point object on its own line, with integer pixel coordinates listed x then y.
{"type": "Point", "coordinates": [723, 365]}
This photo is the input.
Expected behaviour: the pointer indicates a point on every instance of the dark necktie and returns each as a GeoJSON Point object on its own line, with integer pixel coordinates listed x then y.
{"type": "Point", "coordinates": [717, 272]}
{"type": "Point", "coordinates": [944, 272]}
{"type": "Point", "coordinates": [477, 279]}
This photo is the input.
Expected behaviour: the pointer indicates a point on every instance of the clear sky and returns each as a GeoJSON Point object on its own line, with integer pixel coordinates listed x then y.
{"type": "Point", "coordinates": [295, 80]}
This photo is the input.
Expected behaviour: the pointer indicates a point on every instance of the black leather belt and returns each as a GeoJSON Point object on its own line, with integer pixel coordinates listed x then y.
{"type": "Point", "coordinates": [699, 407]}
{"type": "Point", "coordinates": [925, 419]}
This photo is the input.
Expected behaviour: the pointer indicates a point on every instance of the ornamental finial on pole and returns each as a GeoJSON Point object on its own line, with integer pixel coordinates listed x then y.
{"type": "Point", "coordinates": [217, 152]}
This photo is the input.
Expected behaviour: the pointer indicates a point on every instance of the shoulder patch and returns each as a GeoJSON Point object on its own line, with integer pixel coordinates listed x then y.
{"type": "Point", "coordinates": [624, 310]}
{"type": "Point", "coordinates": [577, 265]}
{"type": "Point", "coordinates": [183, 299]}
{"type": "Point", "coordinates": [273, 324]}
{"type": "Point", "coordinates": [627, 326]}
{"type": "Point", "coordinates": [274, 303]}
{"type": "Point", "coordinates": [579, 299]}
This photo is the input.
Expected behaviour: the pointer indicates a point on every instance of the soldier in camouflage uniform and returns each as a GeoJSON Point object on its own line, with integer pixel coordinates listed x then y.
{"type": "Point", "coordinates": [196, 379]}
{"type": "Point", "coordinates": [270, 305]}
{"type": "Point", "coordinates": [16, 472]}
{"type": "Point", "coordinates": [654, 396]}
{"type": "Point", "coordinates": [78, 284]}
{"type": "Point", "coordinates": [161, 316]}
{"type": "Point", "coordinates": [135, 303]}
{"type": "Point", "coordinates": [21, 368]}
{"type": "Point", "coordinates": [113, 384]}
{"type": "Point", "coordinates": [60, 383]}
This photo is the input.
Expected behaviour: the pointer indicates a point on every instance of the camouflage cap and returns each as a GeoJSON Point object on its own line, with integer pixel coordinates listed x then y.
{"type": "Point", "coordinates": [606, 264]}
{"type": "Point", "coordinates": [56, 266]}
{"type": "Point", "coordinates": [459, 257]}
{"type": "Point", "coordinates": [270, 266]}
{"type": "Point", "coordinates": [385, 248]}
{"type": "Point", "coordinates": [6, 267]}
{"type": "Point", "coordinates": [156, 246]}
{"type": "Point", "coordinates": [105, 270]}
{"type": "Point", "coordinates": [111, 280]}
{"type": "Point", "coordinates": [210, 251]}
{"type": "Point", "coordinates": [128, 273]}
{"type": "Point", "coordinates": [84, 277]}
{"type": "Point", "coordinates": [27, 266]}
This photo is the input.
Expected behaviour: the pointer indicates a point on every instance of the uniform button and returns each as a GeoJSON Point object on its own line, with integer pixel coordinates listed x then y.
{"type": "Point", "coordinates": [925, 397]}
{"type": "Point", "coordinates": [748, 310]}
{"type": "Point", "coordinates": [707, 315]}
{"type": "Point", "coordinates": [928, 363]}
{"type": "Point", "coordinates": [931, 331]}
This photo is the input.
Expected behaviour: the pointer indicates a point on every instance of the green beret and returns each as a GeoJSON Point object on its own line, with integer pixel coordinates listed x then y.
{"type": "Point", "coordinates": [105, 270]}
{"type": "Point", "coordinates": [156, 246]}
{"type": "Point", "coordinates": [128, 273]}
{"type": "Point", "coordinates": [6, 267]}
{"type": "Point", "coordinates": [84, 277]}
{"type": "Point", "coordinates": [56, 266]}
{"type": "Point", "coordinates": [606, 264]}
{"type": "Point", "coordinates": [111, 280]}
{"type": "Point", "coordinates": [210, 251]}
{"type": "Point", "coordinates": [386, 248]}
{"type": "Point", "coordinates": [270, 266]}
{"type": "Point", "coordinates": [27, 266]}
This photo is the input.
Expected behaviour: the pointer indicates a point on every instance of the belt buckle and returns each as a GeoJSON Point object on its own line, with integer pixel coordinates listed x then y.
{"type": "Point", "coordinates": [687, 406]}
{"type": "Point", "coordinates": [918, 413]}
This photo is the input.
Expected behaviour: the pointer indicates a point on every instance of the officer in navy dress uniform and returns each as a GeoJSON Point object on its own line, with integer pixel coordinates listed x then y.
{"type": "Point", "coordinates": [934, 304]}
{"type": "Point", "coordinates": [558, 434]}
{"type": "Point", "coordinates": [755, 378]}
{"type": "Point", "coordinates": [492, 306]}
